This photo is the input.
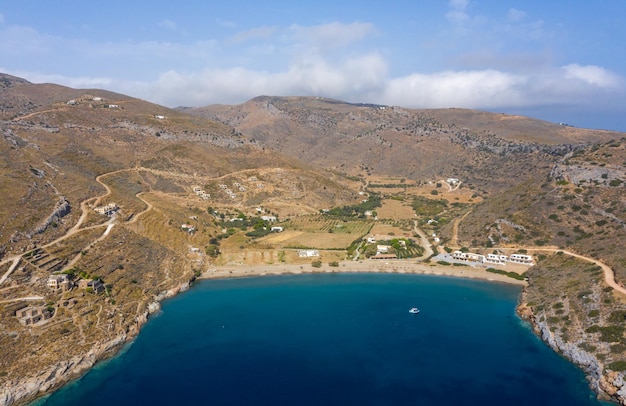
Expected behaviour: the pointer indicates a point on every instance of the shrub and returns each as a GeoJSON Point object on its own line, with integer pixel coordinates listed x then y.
{"type": "Point", "coordinates": [316, 264]}
{"type": "Point", "coordinates": [617, 366]}
{"type": "Point", "coordinates": [513, 275]}
{"type": "Point", "coordinates": [615, 182]}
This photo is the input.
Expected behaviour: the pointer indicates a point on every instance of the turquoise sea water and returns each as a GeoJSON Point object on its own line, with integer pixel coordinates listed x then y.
{"type": "Point", "coordinates": [335, 339]}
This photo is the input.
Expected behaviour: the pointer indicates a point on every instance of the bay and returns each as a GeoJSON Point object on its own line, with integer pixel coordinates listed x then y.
{"type": "Point", "coordinates": [335, 339]}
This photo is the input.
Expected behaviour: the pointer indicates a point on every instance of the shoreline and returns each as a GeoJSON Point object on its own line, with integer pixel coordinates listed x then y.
{"type": "Point", "coordinates": [364, 266]}
{"type": "Point", "coordinates": [86, 362]}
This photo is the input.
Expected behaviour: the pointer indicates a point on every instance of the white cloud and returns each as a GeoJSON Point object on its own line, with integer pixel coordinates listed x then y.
{"type": "Point", "coordinates": [353, 79]}
{"type": "Point", "coordinates": [457, 14]}
{"type": "Point", "coordinates": [364, 78]}
{"type": "Point", "coordinates": [76, 82]}
{"type": "Point", "coordinates": [475, 89]}
{"type": "Point", "coordinates": [593, 75]}
{"type": "Point", "coordinates": [320, 60]}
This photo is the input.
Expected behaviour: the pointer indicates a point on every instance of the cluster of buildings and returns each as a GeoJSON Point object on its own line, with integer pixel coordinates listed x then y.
{"type": "Point", "coordinates": [522, 259]}
{"type": "Point", "coordinates": [57, 283]}
{"type": "Point", "coordinates": [229, 192]}
{"type": "Point", "coordinates": [62, 283]}
{"type": "Point", "coordinates": [201, 193]}
{"type": "Point", "coordinates": [74, 102]}
{"type": "Point", "coordinates": [255, 179]}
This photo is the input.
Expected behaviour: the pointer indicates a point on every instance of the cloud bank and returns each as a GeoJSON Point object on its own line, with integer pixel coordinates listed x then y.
{"type": "Point", "coordinates": [331, 60]}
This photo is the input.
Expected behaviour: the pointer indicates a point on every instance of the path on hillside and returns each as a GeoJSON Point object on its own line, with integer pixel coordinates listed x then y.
{"type": "Point", "coordinates": [450, 188]}
{"type": "Point", "coordinates": [37, 112]}
{"type": "Point", "coordinates": [16, 260]}
{"type": "Point", "coordinates": [73, 230]}
{"type": "Point", "coordinates": [609, 275]}
{"type": "Point", "coordinates": [428, 251]}
{"type": "Point", "coordinates": [18, 299]}
{"type": "Point", "coordinates": [454, 241]}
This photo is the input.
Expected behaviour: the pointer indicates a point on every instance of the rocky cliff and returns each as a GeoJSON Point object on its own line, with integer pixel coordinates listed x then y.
{"type": "Point", "coordinates": [16, 392]}
{"type": "Point", "coordinates": [606, 383]}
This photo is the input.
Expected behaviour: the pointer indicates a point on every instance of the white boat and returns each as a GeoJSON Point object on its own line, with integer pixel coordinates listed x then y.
{"type": "Point", "coordinates": [414, 310]}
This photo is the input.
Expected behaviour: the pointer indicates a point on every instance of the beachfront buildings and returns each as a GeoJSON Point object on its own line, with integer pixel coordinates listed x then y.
{"type": "Point", "coordinates": [496, 259]}
{"type": "Point", "coordinates": [521, 259]}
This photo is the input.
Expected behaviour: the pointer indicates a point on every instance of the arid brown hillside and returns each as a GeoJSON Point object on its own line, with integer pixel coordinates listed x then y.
{"type": "Point", "coordinates": [488, 151]}
{"type": "Point", "coordinates": [56, 141]}
{"type": "Point", "coordinates": [578, 206]}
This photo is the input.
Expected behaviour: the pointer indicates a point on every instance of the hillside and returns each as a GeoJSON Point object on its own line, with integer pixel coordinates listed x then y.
{"type": "Point", "coordinates": [128, 202]}
{"type": "Point", "coordinates": [579, 209]}
{"type": "Point", "coordinates": [65, 152]}
{"type": "Point", "coordinates": [488, 151]}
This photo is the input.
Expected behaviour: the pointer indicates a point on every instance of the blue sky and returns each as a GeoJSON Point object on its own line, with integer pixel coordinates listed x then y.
{"type": "Point", "coordinates": [562, 61]}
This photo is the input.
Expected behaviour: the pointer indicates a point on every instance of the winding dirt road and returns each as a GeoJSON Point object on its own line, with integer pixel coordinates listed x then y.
{"type": "Point", "coordinates": [609, 275]}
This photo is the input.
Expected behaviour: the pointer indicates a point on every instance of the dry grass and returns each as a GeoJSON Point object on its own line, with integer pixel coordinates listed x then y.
{"type": "Point", "coordinates": [395, 210]}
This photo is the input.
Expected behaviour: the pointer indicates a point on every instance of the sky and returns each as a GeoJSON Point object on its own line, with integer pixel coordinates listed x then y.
{"type": "Point", "coordinates": [559, 60]}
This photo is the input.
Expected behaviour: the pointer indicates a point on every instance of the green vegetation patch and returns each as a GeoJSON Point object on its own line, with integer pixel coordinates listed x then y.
{"type": "Point", "coordinates": [428, 207]}
{"type": "Point", "coordinates": [519, 277]}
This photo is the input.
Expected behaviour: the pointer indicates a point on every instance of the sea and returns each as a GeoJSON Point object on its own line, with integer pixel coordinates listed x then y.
{"type": "Point", "coordinates": [335, 339]}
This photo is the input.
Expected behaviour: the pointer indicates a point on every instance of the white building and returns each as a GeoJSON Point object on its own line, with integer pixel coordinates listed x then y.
{"type": "Point", "coordinates": [496, 259]}
{"type": "Point", "coordinates": [468, 256]}
{"type": "Point", "coordinates": [59, 282]}
{"type": "Point", "coordinates": [308, 253]}
{"type": "Point", "coordinates": [521, 259]}
{"type": "Point", "coordinates": [107, 209]}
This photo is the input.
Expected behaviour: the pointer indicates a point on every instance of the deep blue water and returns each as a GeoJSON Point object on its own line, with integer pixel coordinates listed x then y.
{"type": "Point", "coordinates": [337, 339]}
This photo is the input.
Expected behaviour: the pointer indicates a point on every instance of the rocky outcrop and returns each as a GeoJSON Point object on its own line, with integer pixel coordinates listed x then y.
{"type": "Point", "coordinates": [61, 210]}
{"type": "Point", "coordinates": [606, 383]}
{"type": "Point", "coordinates": [14, 392]}
{"type": "Point", "coordinates": [19, 391]}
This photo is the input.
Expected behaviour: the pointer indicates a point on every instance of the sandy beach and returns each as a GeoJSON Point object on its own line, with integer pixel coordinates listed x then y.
{"type": "Point", "coordinates": [392, 266]}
